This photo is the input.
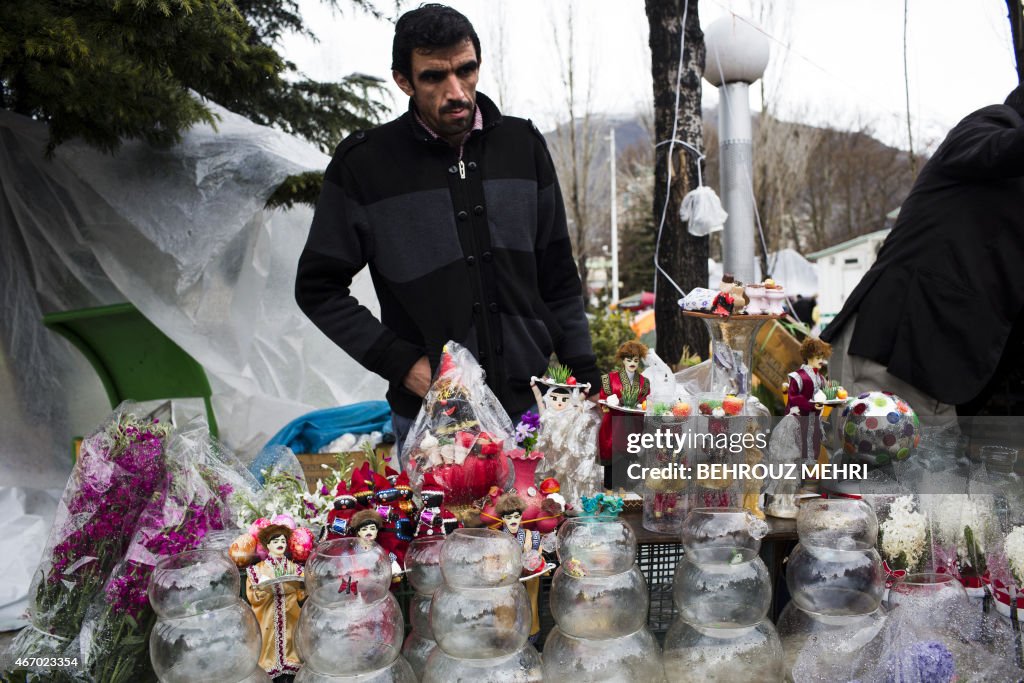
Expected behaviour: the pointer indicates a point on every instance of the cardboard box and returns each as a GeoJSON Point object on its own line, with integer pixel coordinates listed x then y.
{"type": "Point", "coordinates": [776, 354]}
{"type": "Point", "coordinates": [311, 462]}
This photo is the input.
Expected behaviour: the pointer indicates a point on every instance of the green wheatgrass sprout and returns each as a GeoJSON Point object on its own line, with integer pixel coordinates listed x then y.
{"type": "Point", "coordinates": [662, 408]}
{"type": "Point", "coordinates": [831, 388]}
{"type": "Point", "coordinates": [974, 554]}
{"type": "Point", "coordinates": [630, 395]}
{"type": "Point", "coordinates": [559, 373]}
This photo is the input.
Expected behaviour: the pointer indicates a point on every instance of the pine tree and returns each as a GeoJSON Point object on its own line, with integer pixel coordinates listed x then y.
{"type": "Point", "coordinates": [109, 70]}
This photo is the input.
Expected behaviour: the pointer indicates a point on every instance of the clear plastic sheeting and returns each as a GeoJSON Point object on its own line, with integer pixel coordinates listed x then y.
{"type": "Point", "coordinates": [182, 234]}
{"type": "Point", "coordinates": [27, 515]}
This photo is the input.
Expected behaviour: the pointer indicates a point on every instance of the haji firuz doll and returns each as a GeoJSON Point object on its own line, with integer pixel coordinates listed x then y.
{"type": "Point", "coordinates": [568, 438]}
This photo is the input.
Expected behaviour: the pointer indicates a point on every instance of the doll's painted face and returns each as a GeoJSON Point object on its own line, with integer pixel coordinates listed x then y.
{"type": "Point", "coordinates": [513, 521]}
{"type": "Point", "coordinates": [277, 545]}
{"type": "Point", "coordinates": [817, 362]}
{"type": "Point", "coordinates": [367, 533]}
{"type": "Point", "coordinates": [631, 364]}
{"type": "Point", "coordinates": [558, 401]}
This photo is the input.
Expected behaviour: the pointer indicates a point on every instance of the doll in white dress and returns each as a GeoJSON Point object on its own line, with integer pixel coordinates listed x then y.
{"type": "Point", "coordinates": [568, 440]}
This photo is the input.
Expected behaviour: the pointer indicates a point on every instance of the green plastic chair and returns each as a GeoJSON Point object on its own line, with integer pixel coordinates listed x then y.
{"type": "Point", "coordinates": [133, 358]}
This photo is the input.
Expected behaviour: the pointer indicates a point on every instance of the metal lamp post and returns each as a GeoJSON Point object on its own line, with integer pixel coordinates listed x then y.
{"type": "Point", "coordinates": [737, 54]}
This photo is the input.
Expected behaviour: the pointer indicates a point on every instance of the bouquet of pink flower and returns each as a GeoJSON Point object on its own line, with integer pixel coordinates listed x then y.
{"type": "Point", "coordinates": [137, 494]}
{"type": "Point", "coordinates": [195, 499]}
{"type": "Point", "coordinates": [119, 467]}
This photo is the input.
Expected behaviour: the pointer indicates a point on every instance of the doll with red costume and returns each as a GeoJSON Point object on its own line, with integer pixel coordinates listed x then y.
{"type": "Point", "coordinates": [362, 486]}
{"type": "Point", "coordinates": [805, 395]}
{"type": "Point", "coordinates": [344, 507]}
{"type": "Point", "coordinates": [434, 519]}
{"type": "Point", "coordinates": [398, 527]}
{"type": "Point", "coordinates": [459, 435]}
{"type": "Point", "coordinates": [623, 393]}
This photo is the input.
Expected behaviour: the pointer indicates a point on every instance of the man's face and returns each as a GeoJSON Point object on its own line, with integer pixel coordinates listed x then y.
{"type": "Point", "coordinates": [443, 87]}
{"type": "Point", "coordinates": [512, 521]}
{"type": "Point", "coordinates": [631, 363]}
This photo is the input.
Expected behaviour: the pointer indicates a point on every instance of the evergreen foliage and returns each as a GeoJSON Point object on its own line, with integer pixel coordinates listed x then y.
{"type": "Point", "coordinates": [109, 70]}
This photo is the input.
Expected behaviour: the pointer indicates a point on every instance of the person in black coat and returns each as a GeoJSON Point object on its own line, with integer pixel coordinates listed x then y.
{"type": "Point", "coordinates": [931, 319]}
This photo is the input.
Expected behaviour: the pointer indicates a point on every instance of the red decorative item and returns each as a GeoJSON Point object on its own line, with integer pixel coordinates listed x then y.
{"type": "Point", "coordinates": [458, 435]}
{"type": "Point", "coordinates": [550, 485]}
{"type": "Point", "coordinates": [525, 467]}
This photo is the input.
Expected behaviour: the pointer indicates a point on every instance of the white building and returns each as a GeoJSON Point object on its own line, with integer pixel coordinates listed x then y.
{"type": "Point", "coordinates": [840, 268]}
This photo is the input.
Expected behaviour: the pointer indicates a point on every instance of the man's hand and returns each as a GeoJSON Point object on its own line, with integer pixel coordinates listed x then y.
{"type": "Point", "coordinates": [417, 380]}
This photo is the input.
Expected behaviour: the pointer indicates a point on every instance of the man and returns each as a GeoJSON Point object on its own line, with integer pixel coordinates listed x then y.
{"type": "Point", "coordinates": [931, 319]}
{"type": "Point", "coordinates": [457, 211]}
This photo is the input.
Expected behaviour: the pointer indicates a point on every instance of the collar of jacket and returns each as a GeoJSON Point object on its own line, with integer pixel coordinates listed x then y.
{"type": "Point", "coordinates": [489, 110]}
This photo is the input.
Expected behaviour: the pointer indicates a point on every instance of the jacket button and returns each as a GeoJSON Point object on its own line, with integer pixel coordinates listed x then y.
{"type": "Point", "coordinates": [470, 260]}
{"type": "Point", "coordinates": [487, 256]}
{"type": "Point", "coordinates": [462, 215]}
{"type": "Point", "coordinates": [360, 135]}
{"type": "Point", "coordinates": [478, 210]}
{"type": "Point", "coordinates": [471, 165]}
{"type": "Point", "coordinates": [453, 169]}
{"type": "Point", "coordinates": [493, 308]}
{"type": "Point", "coordinates": [477, 307]}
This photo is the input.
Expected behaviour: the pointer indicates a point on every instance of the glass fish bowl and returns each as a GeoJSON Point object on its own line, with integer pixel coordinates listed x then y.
{"type": "Point", "coordinates": [337, 562]}
{"type": "Point", "coordinates": [723, 655]}
{"type": "Point", "coordinates": [927, 594]}
{"type": "Point", "coordinates": [216, 645]}
{"type": "Point", "coordinates": [722, 594]}
{"type": "Point", "coordinates": [481, 558]}
{"type": "Point", "coordinates": [722, 535]}
{"type": "Point", "coordinates": [840, 523]}
{"type": "Point", "coordinates": [599, 606]}
{"type": "Point", "coordinates": [592, 546]}
{"type": "Point", "coordinates": [423, 563]}
{"type": "Point", "coordinates": [829, 648]}
{"type": "Point", "coordinates": [398, 671]}
{"type": "Point", "coordinates": [633, 658]}
{"type": "Point", "coordinates": [481, 623]}
{"type": "Point", "coordinates": [832, 582]}
{"type": "Point", "coordinates": [192, 582]}
{"type": "Point", "coordinates": [350, 639]}
{"type": "Point", "coordinates": [522, 666]}
{"type": "Point", "coordinates": [417, 650]}
{"type": "Point", "coordinates": [419, 614]}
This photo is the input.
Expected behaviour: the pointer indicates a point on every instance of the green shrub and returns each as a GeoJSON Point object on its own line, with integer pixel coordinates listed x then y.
{"type": "Point", "coordinates": [608, 331]}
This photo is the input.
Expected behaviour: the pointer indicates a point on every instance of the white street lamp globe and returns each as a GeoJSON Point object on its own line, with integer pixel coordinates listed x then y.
{"type": "Point", "coordinates": [737, 51]}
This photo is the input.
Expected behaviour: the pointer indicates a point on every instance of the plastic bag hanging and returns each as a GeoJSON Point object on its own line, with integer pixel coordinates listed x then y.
{"type": "Point", "coordinates": [702, 209]}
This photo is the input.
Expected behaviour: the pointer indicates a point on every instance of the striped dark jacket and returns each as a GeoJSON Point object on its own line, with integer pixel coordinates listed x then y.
{"type": "Point", "coordinates": [474, 250]}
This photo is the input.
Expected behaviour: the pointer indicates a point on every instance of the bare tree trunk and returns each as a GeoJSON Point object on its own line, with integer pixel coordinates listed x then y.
{"type": "Point", "coordinates": [683, 256]}
{"type": "Point", "coordinates": [575, 157]}
{"type": "Point", "coordinates": [1017, 33]}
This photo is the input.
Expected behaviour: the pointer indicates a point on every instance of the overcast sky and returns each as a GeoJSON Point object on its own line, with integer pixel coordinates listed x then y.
{"type": "Point", "coordinates": [832, 61]}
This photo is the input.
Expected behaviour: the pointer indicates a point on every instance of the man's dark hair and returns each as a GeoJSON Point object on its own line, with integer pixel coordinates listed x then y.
{"type": "Point", "coordinates": [431, 26]}
{"type": "Point", "coordinates": [1016, 99]}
